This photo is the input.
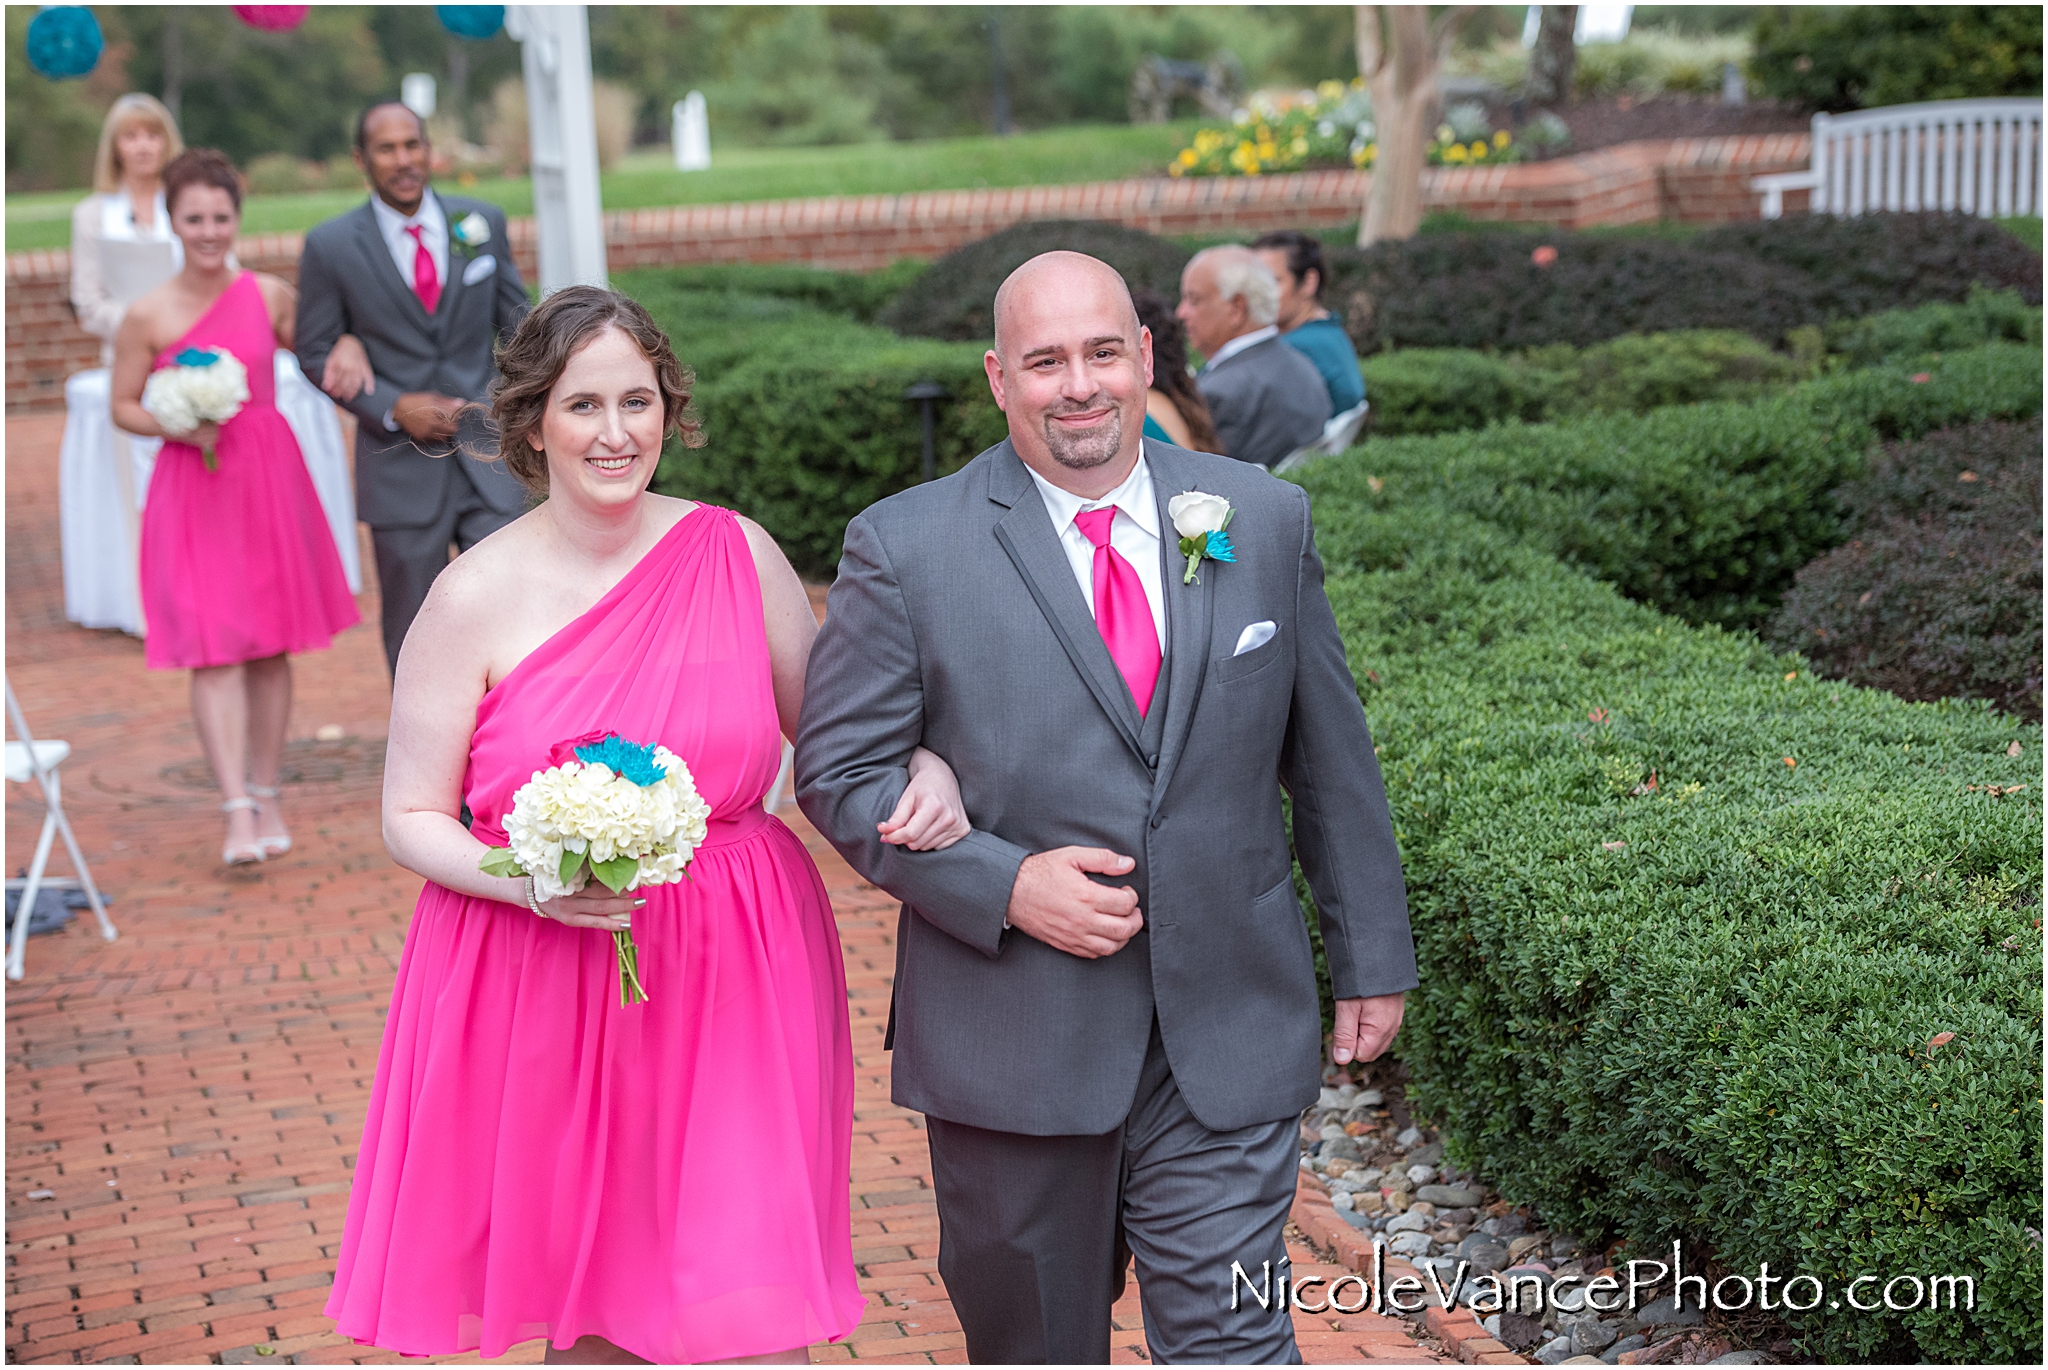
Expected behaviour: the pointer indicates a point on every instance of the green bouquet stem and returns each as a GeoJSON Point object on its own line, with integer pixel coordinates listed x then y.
{"type": "Point", "coordinates": [631, 991]}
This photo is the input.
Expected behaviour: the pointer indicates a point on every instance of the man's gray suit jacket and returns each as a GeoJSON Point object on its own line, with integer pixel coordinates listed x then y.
{"type": "Point", "coordinates": [1267, 401]}
{"type": "Point", "coordinates": [956, 622]}
{"type": "Point", "coordinates": [348, 283]}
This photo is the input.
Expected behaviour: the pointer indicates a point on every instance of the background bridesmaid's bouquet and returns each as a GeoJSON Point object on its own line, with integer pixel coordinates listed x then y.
{"type": "Point", "coordinates": [202, 385]}
{"type": "Point", "coordinates": [627, 814]}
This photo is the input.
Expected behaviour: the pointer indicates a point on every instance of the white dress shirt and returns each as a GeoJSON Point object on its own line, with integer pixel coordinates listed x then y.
{"type": "Point", "coordinates": [1134, 533]}
{"type": "Point", "coordinates": [1236, 344]}
{"type": "Point", "coordinates": [404, 251]}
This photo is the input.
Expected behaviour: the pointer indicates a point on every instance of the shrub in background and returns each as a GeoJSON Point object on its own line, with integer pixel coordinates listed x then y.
{"type": "Point", "coordinates": [1885, 261]}
{"type": "Point", "coordinates": [859, 295]}
{"type": "Point", "coordinates": [1484, 290]}
{"type": "Point", "coordinates": [1842, 57]}
{"type": "Point", "coordinates": [1674, 987]}
{"type": "Point", "coordinates": [955, 299]}
{"type": "Point", "coordinates": [1443, 390]}
{"type": "Point", "coordinates": [1705, 511]}
{"type": "Point", "coordinates": [1653, 60]}
{"type": "Point", "coordinates": [1938, 591]}
{"type": "Point", "coordinates": [1985, 316]}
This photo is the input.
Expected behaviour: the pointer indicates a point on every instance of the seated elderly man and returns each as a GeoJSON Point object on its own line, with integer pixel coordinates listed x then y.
{"type": "Point", "coordinates": [1267, 399]}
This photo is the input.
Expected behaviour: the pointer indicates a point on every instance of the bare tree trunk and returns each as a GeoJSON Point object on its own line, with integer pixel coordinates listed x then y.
{"type": "Point", "coordinates": [1553, 60]}
{"type": "Point", "coordinates": [1400, 60]}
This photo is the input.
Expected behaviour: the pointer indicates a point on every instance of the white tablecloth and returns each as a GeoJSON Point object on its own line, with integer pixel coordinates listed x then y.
{"type": "Point", "coordinates": [99, 542]}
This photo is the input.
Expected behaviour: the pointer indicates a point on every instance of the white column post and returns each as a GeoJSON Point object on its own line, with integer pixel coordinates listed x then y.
{"type": "Point", "coordinates": [568, 210]}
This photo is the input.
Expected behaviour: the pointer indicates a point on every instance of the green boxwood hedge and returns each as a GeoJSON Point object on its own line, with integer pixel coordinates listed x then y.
{"type": "Point", "coordinates": [1675, 986]}
{"type": "Point", "coordinates": [1448, 389]}
{"type": "Point", "coordinates": [1705, 511]}
{"type": "Point", "coordinates": [1765, 278]}
{"type": "Point", "coordinates": [1692, 921]}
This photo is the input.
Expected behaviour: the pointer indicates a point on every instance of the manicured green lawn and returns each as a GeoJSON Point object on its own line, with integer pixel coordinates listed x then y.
{"type": "Point", "coordinates": [649, 178]}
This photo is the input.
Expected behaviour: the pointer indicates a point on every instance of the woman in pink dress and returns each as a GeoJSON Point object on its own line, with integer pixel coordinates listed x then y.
{"type": "Point", "coordinates": [237, 564]}
{"type": "Point", "coordinates": [667, 1181]}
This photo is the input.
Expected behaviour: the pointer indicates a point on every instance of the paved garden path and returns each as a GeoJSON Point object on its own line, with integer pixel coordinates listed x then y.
{"type": "Point", "coordinates": [189, 1098]}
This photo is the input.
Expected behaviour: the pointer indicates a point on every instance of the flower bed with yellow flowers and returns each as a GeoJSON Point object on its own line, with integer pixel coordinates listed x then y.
{"type": "Point", "coordinates": [1330, 126]}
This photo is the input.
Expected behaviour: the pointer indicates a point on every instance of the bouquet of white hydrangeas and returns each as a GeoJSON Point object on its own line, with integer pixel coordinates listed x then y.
{"type": "Point", "coordinates": [628, 814]}
{"type": "Point", "coordinates": [202, 385]}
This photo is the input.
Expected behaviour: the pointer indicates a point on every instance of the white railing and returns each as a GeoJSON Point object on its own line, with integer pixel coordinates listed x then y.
{"type": "Point", "coordinates": [1979, 157]}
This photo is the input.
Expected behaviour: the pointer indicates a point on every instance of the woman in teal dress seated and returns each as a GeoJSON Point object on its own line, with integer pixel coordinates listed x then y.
{"type": "Point", "coordinates": [1305, 325]}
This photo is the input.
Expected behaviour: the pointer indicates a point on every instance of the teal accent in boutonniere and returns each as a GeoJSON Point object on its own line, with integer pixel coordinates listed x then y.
{"type": "Point", "coordinates": [471, 233]}
{"type": "Point", "coordinates": [1213, 546]}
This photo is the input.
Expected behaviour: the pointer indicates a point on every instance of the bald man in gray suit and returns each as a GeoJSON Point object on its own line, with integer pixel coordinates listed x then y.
{"type": "Point", "coordinates": [1105, 1002]}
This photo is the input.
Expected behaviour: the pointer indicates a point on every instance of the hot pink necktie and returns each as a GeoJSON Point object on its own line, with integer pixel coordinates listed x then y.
{"type": "Point", "coordinates": [426, 282]}
{"type": "Point", "coordinates": [1122, 612]}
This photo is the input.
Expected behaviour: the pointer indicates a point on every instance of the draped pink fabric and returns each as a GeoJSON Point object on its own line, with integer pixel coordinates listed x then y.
{"type": "Point", "coordinates": [238, 564]}
{"type": "Point", "coordinates": [539, 1161]}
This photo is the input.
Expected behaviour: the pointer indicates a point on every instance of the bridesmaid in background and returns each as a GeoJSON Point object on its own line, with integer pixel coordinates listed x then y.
{"type": "Point", "coordinates": [238, 566]}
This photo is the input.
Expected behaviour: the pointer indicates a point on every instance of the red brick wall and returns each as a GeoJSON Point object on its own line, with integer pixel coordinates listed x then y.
{"type": "Point", "coordinates": [1703, 180]}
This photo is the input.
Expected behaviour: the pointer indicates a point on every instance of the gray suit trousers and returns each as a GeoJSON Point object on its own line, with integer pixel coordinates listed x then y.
{"type": "Point", "coordinates": [1035, 1233]}
{"type": "Point", "coordinates": [408, 559]}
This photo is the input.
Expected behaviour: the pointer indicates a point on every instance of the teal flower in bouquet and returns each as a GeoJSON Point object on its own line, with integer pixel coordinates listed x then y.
{"type": "Point", "coordinates": [628, 759]}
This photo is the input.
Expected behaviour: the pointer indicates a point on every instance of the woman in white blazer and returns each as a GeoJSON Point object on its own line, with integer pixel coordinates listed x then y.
{"type": "Point", "coordinates": [122, 247]}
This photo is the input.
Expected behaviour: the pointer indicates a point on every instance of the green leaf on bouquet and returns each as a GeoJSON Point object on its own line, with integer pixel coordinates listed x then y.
{"type": "Point", "coordinates": [571, 861]}
{"type": "Point", "coordinates": [615, 872]}
{"type": "Point", "coordinates": [500, 861]}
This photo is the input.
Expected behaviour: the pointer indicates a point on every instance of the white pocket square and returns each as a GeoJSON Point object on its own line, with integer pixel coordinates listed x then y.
{"type": "Point", "coordinates": [1255, 636]}
{"type": "Point", "coordinates": [479, 268]}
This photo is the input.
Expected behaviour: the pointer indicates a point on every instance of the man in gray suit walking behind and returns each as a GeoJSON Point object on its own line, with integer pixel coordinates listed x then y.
{"type": "Point", "coordinates": [1105, 1000]}
{"type": "Point", "coordinates": [427, 282]}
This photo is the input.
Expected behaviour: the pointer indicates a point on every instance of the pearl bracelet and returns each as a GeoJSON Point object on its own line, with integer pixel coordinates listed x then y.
{"type": "Point", "coordinates": [531, 902]}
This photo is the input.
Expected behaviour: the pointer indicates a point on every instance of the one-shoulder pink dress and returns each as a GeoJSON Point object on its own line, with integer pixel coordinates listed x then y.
{"type": "Point", "coordinates": [238, 564]}
{"type": "Point", "coordinates": [539, 1161]}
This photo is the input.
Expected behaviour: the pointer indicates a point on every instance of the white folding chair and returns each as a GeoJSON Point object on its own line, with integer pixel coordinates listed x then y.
{"type": "Point", "coordinates": [29, 759]}
{"type": "Point", "coordinates": [1338, 434]}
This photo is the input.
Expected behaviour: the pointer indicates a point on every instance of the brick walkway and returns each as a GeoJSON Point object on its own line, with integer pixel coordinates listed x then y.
{"type": "Point", "coordinates": [192, 1095]}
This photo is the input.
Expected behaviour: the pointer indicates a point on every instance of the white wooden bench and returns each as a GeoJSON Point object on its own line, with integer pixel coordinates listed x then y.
{"type": "Point", "coordinates": [1978, 157]}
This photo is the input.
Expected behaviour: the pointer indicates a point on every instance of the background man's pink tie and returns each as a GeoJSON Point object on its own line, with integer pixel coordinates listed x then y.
{"type": "Point", "coordinates": [426, 282]}
{"type": "Point", "coordinates": [1121, 610]}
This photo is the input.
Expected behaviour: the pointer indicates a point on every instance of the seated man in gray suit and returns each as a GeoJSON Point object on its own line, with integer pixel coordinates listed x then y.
{"type": "Point", "coordinates": [1267, 398]}
{"type": "Point", "coordinates": [427, 282]}
{"type": "Point", "coordinates": [1105, 1001]}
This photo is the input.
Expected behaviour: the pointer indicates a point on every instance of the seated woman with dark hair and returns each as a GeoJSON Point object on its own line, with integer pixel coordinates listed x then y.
{"type": "Point", "coordinates": [1305, 325]}
{"type": "Point", "coordinates": [1175, 411]}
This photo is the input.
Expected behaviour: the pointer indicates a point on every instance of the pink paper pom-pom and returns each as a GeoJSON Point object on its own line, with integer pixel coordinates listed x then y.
{"type": "Point", "coordinates": [272, 18]}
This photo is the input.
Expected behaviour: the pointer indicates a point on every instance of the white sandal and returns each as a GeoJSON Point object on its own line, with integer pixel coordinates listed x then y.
{"type": "Point", "coordinates": [280, 843]}
{"type": "Point", "coordinates": [247, 853]}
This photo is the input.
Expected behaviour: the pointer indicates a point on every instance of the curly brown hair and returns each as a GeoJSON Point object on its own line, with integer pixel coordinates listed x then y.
{"type": "Point", "coordinates": [201, 166]}
{"type": "Point", "coordinates": [534, 357]}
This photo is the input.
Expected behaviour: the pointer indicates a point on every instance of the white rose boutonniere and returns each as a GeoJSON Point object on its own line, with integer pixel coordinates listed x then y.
{"type": "Point", "coordinates": [471, 233]}
{"type": "Point", "coordinates": [1200, 520]}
